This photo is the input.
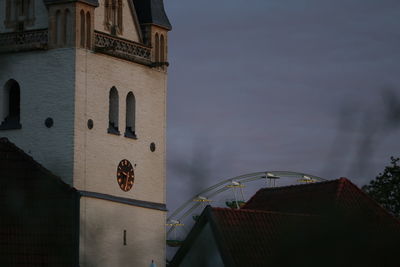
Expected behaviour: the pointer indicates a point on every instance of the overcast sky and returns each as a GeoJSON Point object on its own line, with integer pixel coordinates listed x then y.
{"type": "Point", "coordinates": [301, 85]}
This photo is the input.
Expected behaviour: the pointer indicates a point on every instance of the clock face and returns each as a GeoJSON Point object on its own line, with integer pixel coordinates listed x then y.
{"type": "Point", "coordinates": [125, 175]}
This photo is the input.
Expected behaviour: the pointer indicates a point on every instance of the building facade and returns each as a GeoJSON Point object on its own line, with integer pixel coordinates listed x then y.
{"type": "Point", "coordinates": [83, 92]}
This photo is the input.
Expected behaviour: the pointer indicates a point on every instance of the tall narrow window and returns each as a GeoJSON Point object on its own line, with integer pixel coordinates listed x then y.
{"type": "Point", "coordinates": [59, 29]}
{"type": "Point", "coordinates": [11, 106]}
{"type": "Point", "coordinates": [67, 27]}
{"type": "Point", "coordinates": [130, 130]}
{"type": "Point", "coordinates": [119, 14]}
{"type": "Point", "coordinates": [88, 31]}
{"type": "Point", "coordinates": [113, 111]}
{"type": "Point", "coordinates": [82, 29]}
{"type": "Point", "coordinates": [162, 50]}
{"type": "Point", "coordinates": [107, 14]}
{"type": "Point", "coordinates": [113, 19]}
{"type": "Point", "coordinates": [10, 14]}
{"type": "Point", "coordinates": [19, 13]}
{"type": "Point", "coordinates": [157, 48]}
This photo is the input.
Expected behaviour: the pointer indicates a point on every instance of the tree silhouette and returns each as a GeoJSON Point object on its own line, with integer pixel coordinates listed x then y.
{"type": "Point", "coordinates": [385, 188]}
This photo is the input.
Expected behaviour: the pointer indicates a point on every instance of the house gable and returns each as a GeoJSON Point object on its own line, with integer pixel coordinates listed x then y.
{"type": "Point", "coordinates": [204, 251]}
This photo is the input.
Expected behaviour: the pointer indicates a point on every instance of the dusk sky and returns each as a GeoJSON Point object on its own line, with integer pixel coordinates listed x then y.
{"type": "Point", "coordinates": [303, 85]}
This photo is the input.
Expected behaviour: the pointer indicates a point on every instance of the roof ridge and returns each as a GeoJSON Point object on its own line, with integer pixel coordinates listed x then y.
{"type": "Point", "coordinates": [299, 185]}
{"type": "Point", "coordinates": [279, 188]}
{"type": "Point", "coordinates": [30, 159]}
{"type": "Point", "coordinates": [342, 183]}
{"type": "Point", "coordinates": [368, 198]}
{"type": "Point", "coordinates": [261, 211]}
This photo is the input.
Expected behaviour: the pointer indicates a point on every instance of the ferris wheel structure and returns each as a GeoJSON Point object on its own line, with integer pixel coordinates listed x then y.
{"type": "Point", "coordinates": [176, 220]}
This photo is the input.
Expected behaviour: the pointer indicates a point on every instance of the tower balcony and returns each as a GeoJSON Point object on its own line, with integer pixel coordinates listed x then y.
{"type": "Point", "coordinates": [23, 41]}
{"type": "Point", "coordinates": [104, 43]}
{"type": "Point", "coordinates": [122, 48]}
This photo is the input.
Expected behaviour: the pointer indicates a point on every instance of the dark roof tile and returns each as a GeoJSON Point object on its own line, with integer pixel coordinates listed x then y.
{"type": "Point", "coordinates": [40, 213]}
{"type": "Point", "coordinates": [303, 226]}
{"type": "Point", "coordinates": [318, 198]}
{"type": "Point", "coordinates": [249, 237]}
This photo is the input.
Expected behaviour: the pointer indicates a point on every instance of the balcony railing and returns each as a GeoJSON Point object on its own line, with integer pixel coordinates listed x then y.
{"type": "Point", "coordinates": [121, 48]}
{"type": "Point", "coordinates": [20, 41]}
{"type": "Point", "coordinates": [104, 43]}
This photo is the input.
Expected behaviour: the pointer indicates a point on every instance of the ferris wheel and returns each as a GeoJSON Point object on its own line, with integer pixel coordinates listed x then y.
{"type": "Point", "coordinates": [180, 218]}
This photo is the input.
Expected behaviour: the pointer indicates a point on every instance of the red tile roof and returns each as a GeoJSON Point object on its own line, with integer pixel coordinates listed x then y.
{"type": "Point", "coordinates": [319, 198]}
{"type": "Point", "coordinates": [303, 226]}
{"type": "Point", "coordinates": [250, 237]}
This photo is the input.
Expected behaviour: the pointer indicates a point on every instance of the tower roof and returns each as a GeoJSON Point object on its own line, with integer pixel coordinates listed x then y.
{"type": "Point", "coordinates": [152, 12]}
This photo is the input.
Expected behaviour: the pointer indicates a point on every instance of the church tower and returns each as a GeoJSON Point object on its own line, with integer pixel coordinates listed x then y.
{"type": "Point", "coordinates": [83, 91]}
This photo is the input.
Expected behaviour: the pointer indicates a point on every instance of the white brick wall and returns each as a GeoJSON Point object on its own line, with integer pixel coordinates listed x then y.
{"type": "Point", "coordinates": [101, 241]}
{"type": "Point", "coordinates": [46, 82]}
{"type": "Point", "coordinates": [97, 152]}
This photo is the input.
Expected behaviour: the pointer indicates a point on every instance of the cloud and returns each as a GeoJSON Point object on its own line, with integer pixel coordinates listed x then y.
{"type": "Point", "coordinates": [268, 80]}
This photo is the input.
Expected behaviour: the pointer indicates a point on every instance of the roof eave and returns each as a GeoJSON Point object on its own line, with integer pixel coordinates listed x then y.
{"type": "Point", "coordinates": [94, 3]}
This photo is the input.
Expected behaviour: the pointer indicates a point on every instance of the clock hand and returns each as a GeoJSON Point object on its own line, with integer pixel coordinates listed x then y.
{"type": "Point", "coordinates": [126, 182]}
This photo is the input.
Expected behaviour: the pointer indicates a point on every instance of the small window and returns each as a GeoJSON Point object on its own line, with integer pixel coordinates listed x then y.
{"type": "Point", "coordinates": [130, 130]}
{"type": "Point", "coordinates": [11, 106]}
{"type": "Point", "coordinates": [119, 14]}
{"type": "Point", "coordinates": [59, 29]}
{"type": "Point", "coordinates": [107, 14]}
{"type": "Point", "coordinates": [82, 42]}
{"type": "Point", "coordinates": [67, 27]}
{"type": "Point", "coordinates": [113, 16]}
{"type": "Point", "coordinates": [88, 31]}
{"type": "Point", "coordinates": [113, 112]}
{"type": "Point", "coordinates": [162, 51]}
{"type": "Point", "coordinates": [157, 48]}
{"type": "Point", "coordinates": [19, 14]}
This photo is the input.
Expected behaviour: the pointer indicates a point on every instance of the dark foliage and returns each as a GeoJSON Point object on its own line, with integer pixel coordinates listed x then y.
{"type": "Point", "coordinates": [385, 188]}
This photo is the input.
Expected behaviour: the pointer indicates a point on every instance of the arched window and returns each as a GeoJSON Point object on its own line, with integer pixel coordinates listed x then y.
{"type": "Point", "coordinates": [11, 106]}
{"type": "Point", "coordinates": [119, 20]}
{"type": "Point", "coordinates": [113, 16]}
{"type": "Point", "coordinates": [162, 50]}
{"type": "Point", "coordinates": [88, 31]}
{"type": "Point", "coordinates": [113, 111]}
{"type": "Point", "coordinates": [9, 14]}
{"type": "Point", "coordinates": [19, 14]}
{"type": "Point", "coordinates": [82, 29]}
{"type": "Point", "coordinates": [157, 48]}
{"type": "Point", "coordinates": [67, 27]}
{"type": "Point", "coordinates": [130, 130]}
{"type": "Point", "coordinates": [59, 29]}
{"type": "Point", "coordinates": [107, 14]}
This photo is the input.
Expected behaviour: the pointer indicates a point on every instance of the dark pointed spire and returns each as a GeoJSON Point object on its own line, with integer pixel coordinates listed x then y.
{"type": "Point", "coordinates": [152, 12]}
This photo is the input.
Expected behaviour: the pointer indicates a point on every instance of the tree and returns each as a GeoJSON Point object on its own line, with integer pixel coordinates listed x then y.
{"type": "Point", "coordinates": [385, 188]}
